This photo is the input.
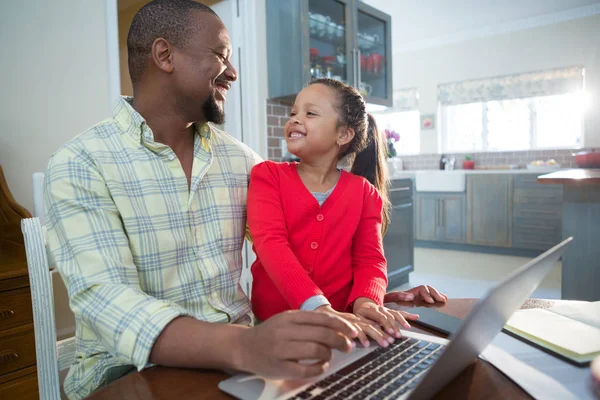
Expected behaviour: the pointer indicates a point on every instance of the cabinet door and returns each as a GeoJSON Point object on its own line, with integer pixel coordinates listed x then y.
{"type": "Point", "coordinates": [330, 39]}
{"type": "Point", "coordinates": [305, 39]}
{"type": "Point", "coordinates": [287, 47]}
{"type": "Point", "coordinates": [427, 218]}
{"type": "Point", "coordinates": [489, 209]}
{"type": "Point", "coordinates": [451, 227]}
{"type": "Point", "coordinates": [373, 55]}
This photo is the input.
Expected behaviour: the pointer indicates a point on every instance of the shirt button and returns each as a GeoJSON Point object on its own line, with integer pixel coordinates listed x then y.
{"type": "Point", "coordinates": [171, 157]}
{"type": "Point", "coordinates": [314, 245]}
{"type": "Point", "coordinates": [320, 217]}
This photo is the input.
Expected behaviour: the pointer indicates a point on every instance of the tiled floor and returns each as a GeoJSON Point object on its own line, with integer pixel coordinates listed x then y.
{"type": "Point", "coordinates": [465, 274]}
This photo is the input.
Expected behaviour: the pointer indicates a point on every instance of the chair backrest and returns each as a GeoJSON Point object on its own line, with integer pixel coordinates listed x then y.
{"type": "Point", "coordinates": [38, 197]}
{"type": "Point", "coordinates": [51, 356]}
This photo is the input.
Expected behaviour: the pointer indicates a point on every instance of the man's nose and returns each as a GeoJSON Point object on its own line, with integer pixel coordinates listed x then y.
{"type": "Point", "coordinates": [230, 73]}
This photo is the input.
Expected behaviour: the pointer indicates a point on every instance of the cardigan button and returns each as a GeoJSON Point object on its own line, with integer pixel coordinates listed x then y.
{"type": "Point", "coordinates": [314, 245]}
{"type": "Point", "coordinates": [320, 217]}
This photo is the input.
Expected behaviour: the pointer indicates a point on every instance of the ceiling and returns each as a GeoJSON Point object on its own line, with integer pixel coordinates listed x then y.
{"type": "Point", "coordinates": [417, 22]}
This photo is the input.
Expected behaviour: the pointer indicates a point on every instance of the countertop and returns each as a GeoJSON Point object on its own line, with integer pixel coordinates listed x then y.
{"type": "Point", "coordinates": [578, 176]}
{"type": "Point", "coordinates": [411, 173]}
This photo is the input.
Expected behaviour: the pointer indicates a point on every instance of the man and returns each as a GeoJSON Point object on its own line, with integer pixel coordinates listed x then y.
{"type": "Point", "coordinates": [146, 221]}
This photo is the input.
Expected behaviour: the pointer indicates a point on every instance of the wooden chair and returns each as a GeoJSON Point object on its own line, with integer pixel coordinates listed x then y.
{"type": "Point", "coordinates": [52, 356]}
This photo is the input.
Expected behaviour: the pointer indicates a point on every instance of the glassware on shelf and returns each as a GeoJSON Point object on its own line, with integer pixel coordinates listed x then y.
{"type": "Point", "coordinates": [318, 71]}
{"type": "Point", "coordinates": [328, 74]}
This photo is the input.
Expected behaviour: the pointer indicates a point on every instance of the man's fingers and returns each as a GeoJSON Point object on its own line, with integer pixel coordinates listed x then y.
{"type": "Point", "coordinates": [319, 334]}
{"type": "Point", "coordinates": [296, 370]}
{"type": "Point", "coordinates": [309, 350]}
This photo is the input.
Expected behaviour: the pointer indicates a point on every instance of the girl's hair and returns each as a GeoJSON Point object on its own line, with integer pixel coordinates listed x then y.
{"type": "Point", "coordinates": [367, 148]}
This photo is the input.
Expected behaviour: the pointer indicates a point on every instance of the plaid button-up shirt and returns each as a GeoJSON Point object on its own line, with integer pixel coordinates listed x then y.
{"type": "Point", "coordinates": [135, 247]}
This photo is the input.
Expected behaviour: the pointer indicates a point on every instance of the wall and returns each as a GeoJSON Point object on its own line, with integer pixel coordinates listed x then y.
{"type": "Point", "coordinates": [55, 82]}
{"type": "Point", "coordinates": [564, 44]}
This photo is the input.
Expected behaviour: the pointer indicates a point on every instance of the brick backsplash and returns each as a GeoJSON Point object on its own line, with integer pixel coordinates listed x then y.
{"type": "Point", "coordinates": [277, 115]}
{"type": "Point", "coordinates": [432, 161]}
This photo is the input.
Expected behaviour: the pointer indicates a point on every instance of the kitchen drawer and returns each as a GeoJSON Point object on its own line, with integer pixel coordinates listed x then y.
{"type": "Point", "coordinates": [400, 190]}
{"type": "Point", "coordinates": [537, 225]}
{"type": "Point", "coordinates": [15, 308]}
{"type": "Point", "coordinates": [17, 348]}
{"type": "Point", "coordinates": [538, 196]}
{"type": "Point", "coordinates": [541, 211]}
{"type": "Point", "coordinates": [535, 240]}
{"type": "Point", "coordinates": [22, 388]}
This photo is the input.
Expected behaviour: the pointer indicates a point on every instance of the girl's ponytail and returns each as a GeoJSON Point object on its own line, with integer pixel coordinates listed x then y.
{"type": "Point", "coordinates": [370, 163]}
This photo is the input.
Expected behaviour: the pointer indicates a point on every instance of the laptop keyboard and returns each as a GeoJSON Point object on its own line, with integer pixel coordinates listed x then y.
{"type": "Point", "coordinates": [382, 374]}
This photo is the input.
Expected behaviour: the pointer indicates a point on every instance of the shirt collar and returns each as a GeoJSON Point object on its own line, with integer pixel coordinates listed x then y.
{"type": "Point", "coordinates": [133, 124]}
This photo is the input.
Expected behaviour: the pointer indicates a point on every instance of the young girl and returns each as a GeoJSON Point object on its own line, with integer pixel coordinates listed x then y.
{"type": "Point", "coordinates": [317, 230]}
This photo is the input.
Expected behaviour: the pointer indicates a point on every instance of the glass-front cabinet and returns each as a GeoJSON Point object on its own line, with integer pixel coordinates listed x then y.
{"type": "Point", "coordinates": [340, 39]}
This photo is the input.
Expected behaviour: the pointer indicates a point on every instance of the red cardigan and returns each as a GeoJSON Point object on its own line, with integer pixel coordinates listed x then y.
{"type": "Point", "coordinates": [305, 250]}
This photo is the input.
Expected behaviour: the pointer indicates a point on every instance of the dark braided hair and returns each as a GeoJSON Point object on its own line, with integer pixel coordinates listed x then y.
{"type": "Point", "coordinates": [367, 148]}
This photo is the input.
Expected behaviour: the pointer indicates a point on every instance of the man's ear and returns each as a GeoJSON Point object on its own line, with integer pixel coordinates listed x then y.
{"type": "Point", "coordinates": [161, 55]}
{"type": "Point", "coordinates": [345, 136]}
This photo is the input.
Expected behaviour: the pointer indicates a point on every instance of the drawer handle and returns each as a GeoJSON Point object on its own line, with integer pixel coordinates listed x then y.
{"type": "Point", "coordinates": [6, 314]}
{"type": "Point", "coordinates": [8, 357]}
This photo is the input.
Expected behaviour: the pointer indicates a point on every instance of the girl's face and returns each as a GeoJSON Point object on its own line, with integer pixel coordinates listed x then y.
{"type": "Point", "coordinates": [312, 129]}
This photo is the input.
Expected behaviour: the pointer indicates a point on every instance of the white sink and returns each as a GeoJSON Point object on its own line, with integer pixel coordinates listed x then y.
{"type": "Point", "coordinates": [440, 181]}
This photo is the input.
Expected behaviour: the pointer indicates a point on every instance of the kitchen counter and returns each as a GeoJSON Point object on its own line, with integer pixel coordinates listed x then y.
{"type": "Point", "coordinates": [572, 177]}
{"type": "Point", "coordinates": [411, 173]}
{"type": "Point", "coordinates": [580, 219]}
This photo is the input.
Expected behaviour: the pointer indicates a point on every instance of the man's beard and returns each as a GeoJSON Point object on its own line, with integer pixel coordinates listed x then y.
{"type": "Point", "coordinates": [212, 112]}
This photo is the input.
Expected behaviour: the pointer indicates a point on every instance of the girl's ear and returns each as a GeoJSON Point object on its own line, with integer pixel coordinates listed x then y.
{"type": "Point", "coordinates": [345, 136]}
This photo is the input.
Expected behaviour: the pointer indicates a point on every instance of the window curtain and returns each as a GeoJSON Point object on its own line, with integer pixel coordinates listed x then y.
{"type": "Point", "coordinates": [530, 84]}
{"type": "Point", "coordinates": [405, 100]}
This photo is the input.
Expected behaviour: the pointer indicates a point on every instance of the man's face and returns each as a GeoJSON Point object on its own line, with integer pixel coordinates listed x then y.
{"type": "Point", "coordinates": [203, 72]}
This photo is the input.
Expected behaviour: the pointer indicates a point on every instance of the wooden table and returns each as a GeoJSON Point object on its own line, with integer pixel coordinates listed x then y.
{"type": "Point", "coordinates": [580, 219]}
{"type": "Point", "coordinates": [479, 381]}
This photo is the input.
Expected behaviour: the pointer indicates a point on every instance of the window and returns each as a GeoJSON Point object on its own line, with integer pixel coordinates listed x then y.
{"type": "Point", "coordinates": [507, 117]}
{"type": "Point", "coordinates": [403, 118]}
{"type": "Point", "coordinates": [405, 123]}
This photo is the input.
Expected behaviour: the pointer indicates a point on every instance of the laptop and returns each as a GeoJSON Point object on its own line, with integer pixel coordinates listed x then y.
{"type": "Point", "coordinates": [417, 366]}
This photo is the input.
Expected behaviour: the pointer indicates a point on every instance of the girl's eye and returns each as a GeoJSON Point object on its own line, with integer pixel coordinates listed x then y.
{"type": "Point", "coordinates": [310, 113]}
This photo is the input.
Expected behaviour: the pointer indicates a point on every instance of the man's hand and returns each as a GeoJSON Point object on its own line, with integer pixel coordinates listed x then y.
{"type": "Point", "coordinates": [368, 310]}
{"type": "Point", "coordinates": [428, 293]}
{"type": "Point", "coordinates": [275, 348]}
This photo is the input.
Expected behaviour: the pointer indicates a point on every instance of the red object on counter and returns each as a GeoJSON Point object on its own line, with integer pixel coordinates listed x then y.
{"type": "Point", "coordinates": [588, 159]}
{"type": "Point", "coordinates": [468, 164]}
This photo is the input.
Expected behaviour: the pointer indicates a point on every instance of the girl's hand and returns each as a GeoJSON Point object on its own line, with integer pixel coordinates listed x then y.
{"type": "Point", "coordinates": [365, 328]}
{"type": "Point", "coordinates": [386, 318]}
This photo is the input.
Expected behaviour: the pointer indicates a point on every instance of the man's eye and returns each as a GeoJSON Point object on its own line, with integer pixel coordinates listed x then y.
{"type": "Point", "coordinates": [292, 114]}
